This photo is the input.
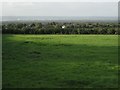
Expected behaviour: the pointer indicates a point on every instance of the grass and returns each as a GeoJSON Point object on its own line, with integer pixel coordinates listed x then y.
{"type": "Point", "coordinates": [60, 61]}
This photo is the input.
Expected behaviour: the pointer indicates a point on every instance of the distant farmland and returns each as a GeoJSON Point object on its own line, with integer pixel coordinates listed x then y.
{"type": "Point", "coordinates": [60, 61]}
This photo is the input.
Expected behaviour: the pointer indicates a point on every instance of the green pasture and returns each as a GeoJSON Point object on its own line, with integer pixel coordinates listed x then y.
{"type": "Point", "coordinates": [60, 61]}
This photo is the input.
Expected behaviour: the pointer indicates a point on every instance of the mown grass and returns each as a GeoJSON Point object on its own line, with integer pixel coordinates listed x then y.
{"type": "Point", "coordinates": [60, 61]}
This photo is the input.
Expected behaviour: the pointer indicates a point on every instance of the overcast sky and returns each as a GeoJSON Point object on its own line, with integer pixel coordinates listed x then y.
{"type": "Point", "coordinates": [59, 0]}
{"type": "Point", "coordinates": [60, 8]}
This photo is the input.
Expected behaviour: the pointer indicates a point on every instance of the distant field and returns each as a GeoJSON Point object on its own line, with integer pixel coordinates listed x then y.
{"type": "Point", "coordinates": [60, 61]}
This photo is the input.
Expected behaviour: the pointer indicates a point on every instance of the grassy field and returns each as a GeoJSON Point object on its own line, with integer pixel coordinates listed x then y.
{"type": "Point", "coordinates": [60, 61]}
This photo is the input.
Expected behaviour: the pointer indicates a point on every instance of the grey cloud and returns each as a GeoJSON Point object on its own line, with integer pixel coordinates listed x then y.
{"type": "Point", "coordinates": [61, 9]}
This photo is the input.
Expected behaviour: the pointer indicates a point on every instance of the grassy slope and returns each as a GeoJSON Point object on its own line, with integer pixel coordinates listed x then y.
{"type": "Point", "coordinates": [60, 61]}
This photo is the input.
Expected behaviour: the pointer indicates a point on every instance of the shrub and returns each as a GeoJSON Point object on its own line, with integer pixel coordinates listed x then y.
{"type": "Point", "coordinates": [56, 28]}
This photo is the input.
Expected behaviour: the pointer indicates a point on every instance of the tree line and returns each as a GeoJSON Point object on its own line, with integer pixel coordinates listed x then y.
{"type": "Point", "coordinates": [60, 28]}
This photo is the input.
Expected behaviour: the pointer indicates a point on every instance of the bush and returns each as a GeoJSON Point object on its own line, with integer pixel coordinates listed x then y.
{"type": "Point", "coordinates": [56, 28]}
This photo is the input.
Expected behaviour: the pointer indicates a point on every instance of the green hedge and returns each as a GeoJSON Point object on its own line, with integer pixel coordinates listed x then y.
{"type": "Point", "coordinates": [56, 28]}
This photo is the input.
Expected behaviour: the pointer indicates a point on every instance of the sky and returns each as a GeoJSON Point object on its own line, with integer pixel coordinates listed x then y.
{"type": "Point", "coordinates": [106, 8]}
{"type": "Point", "coordinates": [59, 0]}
